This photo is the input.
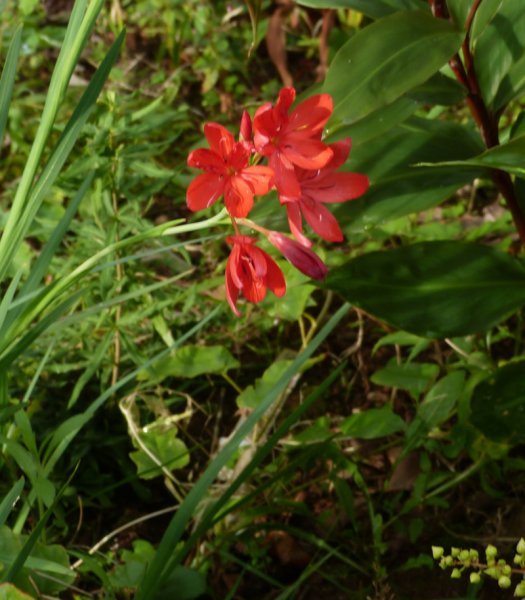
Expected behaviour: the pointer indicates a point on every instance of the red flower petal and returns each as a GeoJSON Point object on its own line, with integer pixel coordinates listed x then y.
{"type": "Point", "coordinates": [339, 187]}
{"type": "Point", "coordinates": [302, 258]}
{"type": "Point", "coordinates": [312, 114]}
{"type": "Point", "coordinates": [204, 190]}
{"type": "Point", "coordinates": [232, 291]}
{"type": "Point", "coordinates": [295, 221]}
{"type": "Point", "coordinates": [341, 151]}
{"type": "Point", "coordinates": [284, 101]}
{"type": "Point", "coordinates": [219, 138]}
{"type": "Point", "coordinates": [259, 178]}
{"type": "Point", "coordinates": [322, 221]}
{"type": "Point", "coordinates": [275, 278]}
{"type": "Point", "coordinates": [285, 179]}
{"type": "Point", "coordinates": [306, 152]}
{"type": "Point", "coordinates": [238, 197]}
{"type": "Point", "coordinates": [202, 158]}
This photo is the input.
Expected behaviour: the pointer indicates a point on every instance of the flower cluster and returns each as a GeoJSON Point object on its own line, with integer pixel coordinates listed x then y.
{"type": "Point", "coordinates": [303, 170]}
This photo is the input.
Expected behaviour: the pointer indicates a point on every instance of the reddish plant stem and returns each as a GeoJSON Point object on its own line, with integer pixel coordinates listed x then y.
{"type": "Point", "coordinates": [486, 121]}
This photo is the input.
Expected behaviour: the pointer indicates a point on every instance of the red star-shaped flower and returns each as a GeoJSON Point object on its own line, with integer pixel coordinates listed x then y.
{"type": "Point", "coordinates": [227, 172]}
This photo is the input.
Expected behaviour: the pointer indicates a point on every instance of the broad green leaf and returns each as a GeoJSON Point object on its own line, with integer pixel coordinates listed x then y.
{"type": "Point", "coordinates": [499, 47]}
{"type": "Point", "coordinates": [374, 9]}
{"type": "Point", "coordinates": [183, 583]}
{"type": "Point", "coordinates": [399, 338]}
{"type": "Point", "coordinates": [434, 289]}
{"type": "Point", "coordinates": [133, 565]}
{"type": "Point", "coordinates": [397, 187]}
{"type": "Point", "coordinates": [459, 10]}
{"type": "Point", "coordinates": [254, 394]}
{"type": "Point", "coordinates": [50, 560]}
{"type": "Point", "coordinates": [439, 89]}
{"type": "Point", "coordinates": [386, 59]}
{"type": "Point", "coordinates": [9, 592]}
{"type": "Point", "coordinates": [508, 157]}
{"type": "Point", "coordinates": [486, 11]}
{"type": "Point", "coordinates": [373, 423]}
{"type": "Point", "coordinates": [415, 378]}
{"type": "Point", "coordinates": [165, 449]}
{"type": "Point", "coordinates": [498, 404]}
{"type": "Point", "coordinates": [512, 86]}
{"type": "Point", "coordinates": [192, 361]}
{"type": "Point", "coordinates": [374, 124]}
{"type": "Point", "coordinates": [441, 399]}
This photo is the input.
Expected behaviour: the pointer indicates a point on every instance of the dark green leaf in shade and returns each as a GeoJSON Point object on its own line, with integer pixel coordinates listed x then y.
{"type": "Point", "coordinates": [415, 378]}
{"type": "Point", "coordinates": [441, 399]}
{"type": "Point", "coordinates": [434, 289]}
{"type": "Point", "coordinates": [508, 157]}
{"type": "Point", "coordinates": [192, 361]}
{"type": "Point", "coordinates": [498, 405]}
{"type": "Point", "coordinates": [386, 59]}
{"type": "Point", "coordinates": [375, 9]}
{"type": "Point", "coordinates": [486, 11]}
{"type": "Point", "coordinates": [373, 423]}
{"type": "Point", "coordinates": [439, 89]}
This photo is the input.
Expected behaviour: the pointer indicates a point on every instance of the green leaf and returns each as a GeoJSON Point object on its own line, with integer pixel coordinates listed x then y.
{"type": "Point", "coordinates": [434, 289]}
{"type": "Point", "coordinates": [183, 583]}
{"type": "Point", "coordinates": [129, 574]}
{"type": "Point", "coordinates": [499, 48]}
{"type": "Point", "coordinates": [9, 592]}
{"type": "Point", "coordinates": [508, 157]}
{"type": "Point", "coordinates": [374, 9]}
{"type": "Point", "coordinates": [486, 11]}
{"type": "Point", "coordinates": [498, 405]}
{"type": "Point", "coordinates": [8, 79]}
{"type": "Point", "coordinates": [397, 187]}
{"type": "Point", "coordinates": [415, 378]}
{"type": "Point", "coordinates": [192, 361]}
{"type": "Point", "coordinates": [441, 399]}
{"type": "Point", "coordinates": [10, 499]}
{"type": "Point", "coordinates": [439, 89]}
{"type": "Point", "coordinates": [373, 423]}
{"type": "Point", "coordinates": [164, 449]}
{"type": "Point", "coordinates": [386, 59]}
{"type": "Point", "coordinates": [254, 394]}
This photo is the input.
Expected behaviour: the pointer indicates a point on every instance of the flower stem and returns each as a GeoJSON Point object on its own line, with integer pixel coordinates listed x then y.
{"type": "Point", "coordinates": [485, 120]}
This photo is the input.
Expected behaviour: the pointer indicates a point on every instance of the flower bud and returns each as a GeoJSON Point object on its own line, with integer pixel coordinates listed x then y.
{"type": "Point", "coordinates": [454, 552]}
{"type": "Point", "coordinates": [491, 552]}
{"type": "Point", "coordinates": [520, 548]}
{"type": "Point", "coordinates": [302, 258]}
{"type": "Point", "coordinates": [464, 555]}
{"type": "Point", "coordinates": [504, 582]}
{"type": "Point", "coordinates": [519, 592]}
{"type": "Point", "coordinates": [245, 134]}
{"type": "Point", "coordinates": [475, 578]}
{"type": "Point", "coordinates": [437, 552]}
{"type": "Point", "coordinates": [456, 574]}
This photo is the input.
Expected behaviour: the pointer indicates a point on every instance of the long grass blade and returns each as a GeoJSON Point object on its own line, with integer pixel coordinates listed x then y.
{"type": "Point", "coordinates": [156, 571]}
{"type": "Point", "coordinates": [9, 501]}
{"type": "Point", "coordinates": [8, 79]}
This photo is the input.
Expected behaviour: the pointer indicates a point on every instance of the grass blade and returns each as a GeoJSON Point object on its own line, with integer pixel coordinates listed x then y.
{"type": "Point", "coordinates": [156, 571]}
{"type": "Point", "coordinates": [9, 501]}
{"type": "Point", "coordinates": [8, 79]}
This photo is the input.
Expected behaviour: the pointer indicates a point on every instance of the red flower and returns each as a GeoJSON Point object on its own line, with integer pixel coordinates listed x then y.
{"type": "Point", "coordinates": [323, 186]}
{"type": "Point", "coordinates": [251, 271]}
{"type": "Point", "coordinates": [292, 139]}
{"type": "Point", "coordinates": [302, 258]}
{"type": "Point", "coordinates": [226, 173]}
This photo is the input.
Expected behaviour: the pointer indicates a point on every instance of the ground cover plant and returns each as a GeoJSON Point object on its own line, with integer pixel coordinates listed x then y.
{"type": "Point", "coordinates": [171, 430]}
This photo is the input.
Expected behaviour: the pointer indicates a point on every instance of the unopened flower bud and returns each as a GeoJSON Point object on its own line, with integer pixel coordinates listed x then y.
{"type": "Point", "coordinates": [492, 572]}
{"type": "Point", "coordinates": [437, 552]}
{"type": "Point", "coordinates": [464, 555]}
{"type": "Point", "coordinates": [519, 592]}
{"type": "Point", "coordinates": [504, 582]}
{"type": "Point", "coordinates": [475, 578]}
{"type": "Point", "coordinates": [246, 128]}
{"type": "Point", "coordinates": [302, 258]}
{"type": "Point", "coordinates": [491, 552]}
{"type": "Point", "coordinates": [474, 554]}
{"type": "Point", "coordinates": [454, 552]}
{"type": "Point", "coordinates": [456, 574]}
{"type": "Point", "coordinates": [520, 548]}
{"type": "Point", "coordinates": [449, 561]}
